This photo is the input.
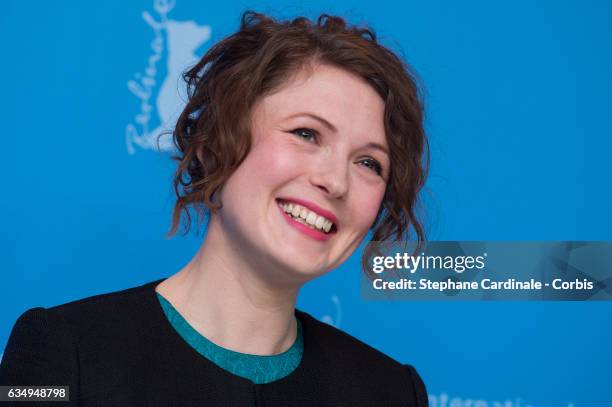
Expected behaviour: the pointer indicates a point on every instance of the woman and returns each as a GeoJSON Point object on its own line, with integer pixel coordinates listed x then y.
{"type": "Point", "coordinates": [297, 139]}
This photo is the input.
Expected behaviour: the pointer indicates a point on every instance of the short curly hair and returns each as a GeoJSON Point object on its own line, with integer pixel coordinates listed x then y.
{"type": "Point", "coordinates": [213, 136]}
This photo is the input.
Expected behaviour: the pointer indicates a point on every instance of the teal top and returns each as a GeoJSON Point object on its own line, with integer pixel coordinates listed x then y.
{"type": "Point", "coordinates": [256, 368]}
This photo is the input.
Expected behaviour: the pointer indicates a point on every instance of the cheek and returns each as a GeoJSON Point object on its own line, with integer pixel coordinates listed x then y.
{"type": "Point", "coordinates": [279, 162]}
{"type": "Point", "coordinates": [268, 165]}
{"type": "Point", "coordinates": [366, 206]}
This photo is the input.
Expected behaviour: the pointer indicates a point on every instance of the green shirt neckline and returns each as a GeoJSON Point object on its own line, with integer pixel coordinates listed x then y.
{"type": "Point", "coordinates": [257, 368]}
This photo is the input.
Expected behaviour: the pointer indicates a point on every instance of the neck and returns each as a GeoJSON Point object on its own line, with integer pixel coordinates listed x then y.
{"type": "Point", "coordinates": [229, 302]}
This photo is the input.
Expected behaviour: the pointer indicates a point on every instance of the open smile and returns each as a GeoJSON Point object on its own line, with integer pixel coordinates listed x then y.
{"type": "Point", "coordinates": [308, 218]}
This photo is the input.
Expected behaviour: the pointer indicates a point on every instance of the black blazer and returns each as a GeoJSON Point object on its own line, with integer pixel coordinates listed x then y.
{"type": "Point", "coordinates": [119, 349]}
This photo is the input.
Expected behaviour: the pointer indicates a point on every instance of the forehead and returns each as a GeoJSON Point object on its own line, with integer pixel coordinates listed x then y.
{"type": "Point", "coordinates": [340, 97]}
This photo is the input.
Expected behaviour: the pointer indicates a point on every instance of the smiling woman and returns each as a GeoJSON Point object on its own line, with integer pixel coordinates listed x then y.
{"type": "Point", "coordinates": [311, 149]}
{"type": "Point", "coordinates": [298, 138]}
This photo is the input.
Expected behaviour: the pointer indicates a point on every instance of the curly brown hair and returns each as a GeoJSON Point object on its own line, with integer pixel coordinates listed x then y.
{"type": "Point", "coordinates": [212, 134]}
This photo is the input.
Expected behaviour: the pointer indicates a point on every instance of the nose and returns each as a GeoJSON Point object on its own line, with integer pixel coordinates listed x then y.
{"type": "Point", "coordinates": [332, 177]}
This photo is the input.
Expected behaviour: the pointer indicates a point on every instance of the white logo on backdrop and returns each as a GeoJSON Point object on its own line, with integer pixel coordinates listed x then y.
{"type": "Point", "coordinates": [337, 320]}
{"type": "Point", "coordinates": [445, 400]}
{"type": "Point", "coordinates": [175, 43]}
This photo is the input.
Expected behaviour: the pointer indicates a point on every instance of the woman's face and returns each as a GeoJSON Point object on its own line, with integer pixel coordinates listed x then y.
{"type": "Point", "coordinates": [311, 186]}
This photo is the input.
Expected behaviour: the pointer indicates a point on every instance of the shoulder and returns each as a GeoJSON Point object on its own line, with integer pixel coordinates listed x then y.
{"type": "Point", "coordinates": [97, 312]}
{"type": "Point", "coordinates": [108, 322]}
{"type": "Point", "coordinates": [46, 343]}
{"type": "Point", "coordinates": [332, 341]}
{"type": "Point", "coordinates": [129, 302]}
{"type": "Point", "coordinates": [107, 302]}
{"type": "Point", "coordinates": [348, 357]}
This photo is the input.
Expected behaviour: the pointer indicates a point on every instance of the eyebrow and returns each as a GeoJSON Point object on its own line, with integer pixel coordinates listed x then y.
{"type": "Point", "coordinates": [333, 128]}
{"type": "Point", "coordinates": [317, 118]}
{"type": "Point", "coordinates": [377, 146]}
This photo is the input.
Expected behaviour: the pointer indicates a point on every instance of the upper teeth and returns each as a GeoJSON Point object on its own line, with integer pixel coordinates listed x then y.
{"type": "Point", "coordinates": [307, 216]}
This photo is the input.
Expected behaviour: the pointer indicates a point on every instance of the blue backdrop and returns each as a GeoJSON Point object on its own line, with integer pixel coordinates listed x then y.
{"type": "Point", "coordinates": [518, 98]}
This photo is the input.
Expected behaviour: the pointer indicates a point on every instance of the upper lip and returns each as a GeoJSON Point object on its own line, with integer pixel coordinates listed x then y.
{"type": "Point", "coordinates": [315, 208]}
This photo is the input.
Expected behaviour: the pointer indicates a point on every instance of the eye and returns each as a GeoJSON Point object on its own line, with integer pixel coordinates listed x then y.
{"type": "Point", "coordinates": [372, 164]}
{"type": "Point", "coordinates": [307, 134]}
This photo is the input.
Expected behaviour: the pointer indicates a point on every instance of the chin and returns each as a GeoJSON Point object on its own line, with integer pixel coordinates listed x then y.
{"type": "Point", "coordinates": [301, 270]}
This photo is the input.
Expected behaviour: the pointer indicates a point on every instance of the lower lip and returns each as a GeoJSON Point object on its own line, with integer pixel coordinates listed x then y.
{"type": "Point", "coordinates": [315, 234]}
